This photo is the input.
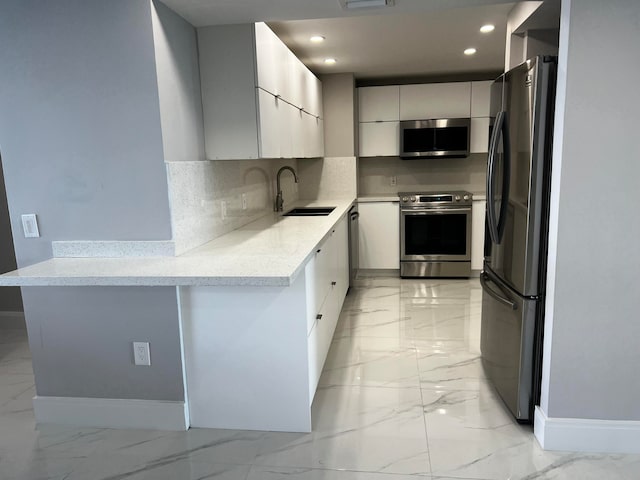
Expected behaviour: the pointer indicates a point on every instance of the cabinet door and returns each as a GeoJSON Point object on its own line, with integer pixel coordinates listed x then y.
{"type": "Point", "coordinates": [270, 114]}
{"type": "Point", "coordinates": [477, 233]}
{"type": "Point", "coordinates": [312, 95]}
{"type": "Point", "coordinates": [268, 73]}
{"type": "Point", "coordinates": [379, 139]}
{"type": "Point", "coordinates": [479, 142]}
{"type": "Point", "coordinates": [298, 80]}
{"type": "Point", "coordinates": [379, 235]}
{"type": "Point", "coordinates": [480, 98]}
{"type": "Point", "coordinates": [297, 128]}
{"type": "Point", "coordinates": [435, 100]}
{"type": "Point", "coordinates": [377, 104]}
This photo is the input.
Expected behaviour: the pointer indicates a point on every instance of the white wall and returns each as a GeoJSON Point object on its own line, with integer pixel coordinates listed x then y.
{"type": "Point", "coordinates": [81, 140]}
{"type": "Point", "coordinates": [591, 353]}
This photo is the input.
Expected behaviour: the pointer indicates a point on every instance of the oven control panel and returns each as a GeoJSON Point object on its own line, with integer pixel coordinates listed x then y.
{"type": "Point", "coordinates": [424, 199]}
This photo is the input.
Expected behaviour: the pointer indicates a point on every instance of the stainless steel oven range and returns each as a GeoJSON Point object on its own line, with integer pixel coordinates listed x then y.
{"type": "Point", "coordinates": [435, 234]}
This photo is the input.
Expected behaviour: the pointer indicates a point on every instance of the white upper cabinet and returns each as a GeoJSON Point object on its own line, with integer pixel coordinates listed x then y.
{"type": "Point", "coordinates": [480, 92]}
{"type": "Point", "coordinates": [435, 100]}
{"type": "Point", "coordinates": [379, 104]}
{"type": "Point", "coordinates": [255, 93]}
{"type": "Point", "coordinates": [379, 139]}
{"type": "Point", "coordinates": [271, 54]}
{"type": "Point", "coordinates": [479, 141]}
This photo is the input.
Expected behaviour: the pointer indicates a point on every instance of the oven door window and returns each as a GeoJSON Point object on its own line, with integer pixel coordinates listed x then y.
{"type": "Point", "coordinates": [441, 234]}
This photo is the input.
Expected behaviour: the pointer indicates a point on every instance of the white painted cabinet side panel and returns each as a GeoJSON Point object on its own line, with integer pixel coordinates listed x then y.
{"type": "Point", "coordinates": [480, 97]}
{"type": "Point", "coordinates": [379, 139]}
{"type": "Point", "coordinates": [479, 142]}
{"type": "Point", "coordinates": [246, 357]}
{"type": "Point", "coordinates": [477, 233]}
{"type": "Point", "coordinates": [435, 100]}
{"type": "Point", "coordinates": [379, 234]}
{"type": "Point", "coordinates": [379, 103]}
{"type": "Point", "coordinates": [227, 74]}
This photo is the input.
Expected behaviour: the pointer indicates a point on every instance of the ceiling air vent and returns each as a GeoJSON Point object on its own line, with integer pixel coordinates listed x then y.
{"type": "Point", "coordinates": [355, 4]}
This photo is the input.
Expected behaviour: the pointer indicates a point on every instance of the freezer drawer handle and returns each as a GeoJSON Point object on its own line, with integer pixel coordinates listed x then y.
{"type": "Point", "coordinates": [503, 300]}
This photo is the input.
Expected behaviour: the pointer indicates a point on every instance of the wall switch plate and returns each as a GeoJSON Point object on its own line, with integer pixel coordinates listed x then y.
{"type": "Point", "coordinates": [30, 225]}
{"type": "Point", "coordinates": [393, 180]}
{"type": "Point", "coordinates": [141, 354]}
{"type": "Point", "coordinates": [244, 201]}
{"type": "Point", "coordinates": [223, 209]}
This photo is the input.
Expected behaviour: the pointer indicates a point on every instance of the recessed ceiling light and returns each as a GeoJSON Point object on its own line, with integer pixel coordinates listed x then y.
{"type": "Point", "coordinates": [470, 51]}
{"type": "Point", "coordinates": [330, 61]}
{"type": "Point", "coordinates": [487, 28]}
{"type": "Point", "coordinates": [317, 39]}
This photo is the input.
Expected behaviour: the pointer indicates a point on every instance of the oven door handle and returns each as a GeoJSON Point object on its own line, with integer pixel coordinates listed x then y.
{"type": "Point", "coordinates": [438, 210]}
{"type": "Point", "coordinates": [504, 300]}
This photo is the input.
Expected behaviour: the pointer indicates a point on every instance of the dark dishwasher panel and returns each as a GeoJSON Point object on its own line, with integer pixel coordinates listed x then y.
{"type": "Point", "coordinates": [353, 243]}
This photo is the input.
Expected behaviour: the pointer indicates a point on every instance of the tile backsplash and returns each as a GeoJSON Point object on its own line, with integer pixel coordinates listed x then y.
{"type": "Point", "coordinates": [206, 196]}
{"type": "Point", "coordinates": [374, 174]}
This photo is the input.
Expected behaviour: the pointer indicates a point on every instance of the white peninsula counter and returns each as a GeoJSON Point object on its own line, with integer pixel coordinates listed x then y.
{"type": "Point", "coordinates": [258, 308]}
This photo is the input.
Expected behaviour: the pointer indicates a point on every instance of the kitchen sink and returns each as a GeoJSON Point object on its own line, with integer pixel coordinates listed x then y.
{"type": "Point", "coordinates": [309, 212]}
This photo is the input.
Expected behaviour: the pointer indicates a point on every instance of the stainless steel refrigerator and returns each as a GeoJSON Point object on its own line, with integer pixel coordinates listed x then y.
{"type": "Point", "coordinates": [514, 274]}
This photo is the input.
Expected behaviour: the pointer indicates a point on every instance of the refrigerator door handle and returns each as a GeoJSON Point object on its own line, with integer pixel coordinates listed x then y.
{"type": "Point", "coordinates": [497, 223]}
{"type": "Point", "coordinates": [493, 147]}
{"type": "Point", "coordinates": [484, 278]}
{"type": "Point", "coordinates": [506, 177]}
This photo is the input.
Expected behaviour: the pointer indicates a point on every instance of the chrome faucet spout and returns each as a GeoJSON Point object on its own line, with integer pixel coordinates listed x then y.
{"type": "Point", "coordinates": [279, 200]}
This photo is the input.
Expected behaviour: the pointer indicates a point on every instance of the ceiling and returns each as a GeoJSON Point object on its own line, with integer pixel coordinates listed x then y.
{"type": "Point", "coordinates": [413, 38]}
{"type": "Point", "coordinates": [406, 45]}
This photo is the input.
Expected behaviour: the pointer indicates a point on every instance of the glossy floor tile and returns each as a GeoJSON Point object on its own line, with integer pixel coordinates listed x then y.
{"type": "Point", "coordinates": [403, 396]}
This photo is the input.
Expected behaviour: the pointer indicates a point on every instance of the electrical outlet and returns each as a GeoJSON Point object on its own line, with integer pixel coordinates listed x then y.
{"type": "Point", "coordinates": [141, 355]}
{"type": "Point", "coordinates": [30, 225]}
{"type": "Point", "coordinates": [223, 209]}
{"type": "Point", "coordinates": [393, 180]}
{"type": "Point", "coordinates": [244, 201]}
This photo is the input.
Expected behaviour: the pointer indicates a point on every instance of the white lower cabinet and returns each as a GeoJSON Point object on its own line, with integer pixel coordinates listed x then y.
{"type": "Point", "coordinates": [253, 354]}
{"type": "Point", "coordinates": [379, 235]}
{"type": "Point", "coordinates": [327, 283]}
{"type": "Point", "coordinates": [477, 233]}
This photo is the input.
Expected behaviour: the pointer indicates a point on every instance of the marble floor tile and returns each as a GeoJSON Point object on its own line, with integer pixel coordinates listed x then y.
{"type": "Point", "coordinates": [371, 361]}
{"type": "Point", "coordinates": [282, 473]}
{"type": "Point", "coordinates": [367, 429]}
{"type": "Point", "coordinates": [403, 396]}
{"type": "Point", "coordinates": [113, 468]}
{"type": "Point", "coordinates": [471, 434]}
{"type": "Point", "coordinates": [13, 336]}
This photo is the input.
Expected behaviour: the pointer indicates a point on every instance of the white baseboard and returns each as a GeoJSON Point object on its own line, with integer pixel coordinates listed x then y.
{"type": "Point", "coordinates": [12, 320]}
{"type": "Point", "coordinates": [111, 413]}
{"type": "Point", "coordinates": [586, 435]}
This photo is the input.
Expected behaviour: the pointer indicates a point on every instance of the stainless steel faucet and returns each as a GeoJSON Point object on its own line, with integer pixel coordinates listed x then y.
{"type": "Point", "coordinates": [279, 201]}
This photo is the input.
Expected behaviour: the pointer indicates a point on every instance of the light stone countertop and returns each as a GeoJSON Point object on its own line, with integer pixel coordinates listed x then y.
{"type": "Point", "coordinates": [384, 197]}
{"type": "Point", "coordinates": [270, 251]}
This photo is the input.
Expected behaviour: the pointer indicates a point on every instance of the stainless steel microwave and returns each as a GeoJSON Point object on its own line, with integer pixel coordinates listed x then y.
{"type": "Point", "coordinates": [442, 138]}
